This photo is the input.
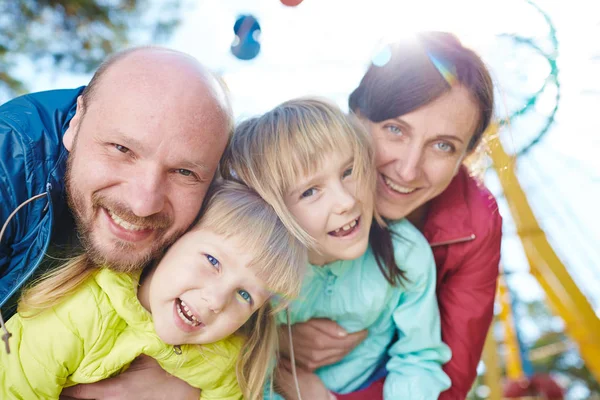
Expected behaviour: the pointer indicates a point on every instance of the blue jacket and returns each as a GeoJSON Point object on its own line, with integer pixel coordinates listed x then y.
{"type": "Point", "coordinates": [32, 162]}
{"type": "Point", "coordinates": [356, 295]}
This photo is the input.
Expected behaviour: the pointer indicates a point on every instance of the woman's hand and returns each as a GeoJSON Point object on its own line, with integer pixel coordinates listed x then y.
{"type": "Point", "coordinates": [318, 342]}
{"type": "Point", "coordinates": [310, 385]}
{"type": "Point", "coordinates": [144, 380]}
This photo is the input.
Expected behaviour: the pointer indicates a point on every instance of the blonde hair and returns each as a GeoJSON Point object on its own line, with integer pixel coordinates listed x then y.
{"type": "Point", "coordinates": [230, 209]}
{"type": "Point", "coordinates": [271, 152]}
{"type": "Point", "coordinates": [235, 210]}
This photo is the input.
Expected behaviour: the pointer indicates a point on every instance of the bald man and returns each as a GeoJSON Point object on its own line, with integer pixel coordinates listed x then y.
{"type": "Point", "coordinates": [126, 160]}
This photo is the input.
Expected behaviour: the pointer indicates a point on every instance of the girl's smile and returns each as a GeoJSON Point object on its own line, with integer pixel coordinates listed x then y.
{"type": "Point", "coordinates": [329, 207]}
{"type": "Point", "coordinates": [184, 315]}
{"type": "Point", "coordinates": [347, 230]}
{"type": "Point", "coordinates": [203, 290]}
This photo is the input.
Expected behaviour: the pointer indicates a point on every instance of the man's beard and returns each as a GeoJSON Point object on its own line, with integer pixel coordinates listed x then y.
{"type": "Point", "coordinates": [109, 257]}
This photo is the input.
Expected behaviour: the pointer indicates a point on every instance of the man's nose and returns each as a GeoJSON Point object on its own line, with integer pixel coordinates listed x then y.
{"type": "Point", "coordinates": [148, 193]}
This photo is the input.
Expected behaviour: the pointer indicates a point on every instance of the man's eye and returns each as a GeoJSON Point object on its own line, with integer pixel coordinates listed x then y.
{"type": "Point", "coordinates": [212, 260]}
{"type": "Point", "coordinates": [122, 149]}
{"type": "Point", "coordinates": [185, 172]}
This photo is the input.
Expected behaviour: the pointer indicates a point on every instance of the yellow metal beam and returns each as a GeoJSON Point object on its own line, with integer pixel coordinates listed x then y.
{"type": "Point", "coordinates": [513, 362]}
{"type": "Point", "coordinates": [563, 295]}
{"type": "Point", "coordinates": [493, 375]}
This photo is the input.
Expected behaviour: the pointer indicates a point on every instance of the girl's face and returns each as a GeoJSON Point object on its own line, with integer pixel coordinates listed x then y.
{"type": "Point", "coordinates": [418, 154]}
{"type": "Point", "coordinates": [203, 289]}
{"type": "Point", "coordinates": [326, 206]}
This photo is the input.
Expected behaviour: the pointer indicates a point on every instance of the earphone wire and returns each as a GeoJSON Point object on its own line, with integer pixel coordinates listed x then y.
{"type": "Point", "coordinates": [292, 356]}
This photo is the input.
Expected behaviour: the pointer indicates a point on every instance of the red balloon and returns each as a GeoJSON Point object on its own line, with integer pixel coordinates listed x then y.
{"type": "Point", "coordinates": [291, 3]}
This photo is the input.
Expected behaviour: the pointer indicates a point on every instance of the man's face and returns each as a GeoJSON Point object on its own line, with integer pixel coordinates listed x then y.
{"type": "Point", "coordinates": [139, 168]}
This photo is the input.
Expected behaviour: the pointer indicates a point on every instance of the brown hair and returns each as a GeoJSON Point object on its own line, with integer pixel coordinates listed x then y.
{"type": "Point", "coordinates": [410, 79]}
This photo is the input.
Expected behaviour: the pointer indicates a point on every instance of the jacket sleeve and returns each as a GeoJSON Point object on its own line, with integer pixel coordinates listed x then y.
{"type": "Point", "coordinates": [415, 366]}
{"type": "Point", "coordinates": [215, 370]}
{"type": "Point", "coordinates": [43, 352]}
{"type": "Point", "coordinates": [467, 306]}
{"type": "Point", "coordinates": [227, 389]}
{"type": "Point", "coordinates": [31, 129]}
{"type": "Point", "coordinates": [373, 392]}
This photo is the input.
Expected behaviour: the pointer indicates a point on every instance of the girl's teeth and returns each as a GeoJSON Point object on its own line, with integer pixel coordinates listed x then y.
{"type": "Point", "coordinates": [188, 317]}
{"type": "Point", "coordinates": [398, 188]}
{"type": "Point", "coordinates": [124, 224]}
{"type": "Point", "coordinates": [346, 227]}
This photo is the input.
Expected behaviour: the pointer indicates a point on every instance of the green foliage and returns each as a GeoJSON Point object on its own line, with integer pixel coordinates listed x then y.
{"type": "Point", "coordinates": [76, 35]}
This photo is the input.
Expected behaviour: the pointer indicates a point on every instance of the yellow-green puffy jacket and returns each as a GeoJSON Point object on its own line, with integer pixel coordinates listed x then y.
{"type": "Point", "coordinates": [95, 334]}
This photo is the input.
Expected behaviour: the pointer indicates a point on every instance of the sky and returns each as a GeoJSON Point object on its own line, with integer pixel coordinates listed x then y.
{"type": "Point", "coordinates": [322, 47]}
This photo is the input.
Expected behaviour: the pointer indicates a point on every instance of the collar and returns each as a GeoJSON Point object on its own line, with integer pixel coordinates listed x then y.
{"type": "Point", "coordinates": [448, 219]}
{"type": "Point", "coordinates": [337, 268]}
{"type": "Point", "coordinates": [121, 289]}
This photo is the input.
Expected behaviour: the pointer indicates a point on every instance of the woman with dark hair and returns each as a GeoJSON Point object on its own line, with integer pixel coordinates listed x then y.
{"type": "Point", "coordinates": [427, 108]}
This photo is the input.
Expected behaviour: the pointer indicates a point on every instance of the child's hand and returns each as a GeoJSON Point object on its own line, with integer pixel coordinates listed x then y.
{"type": "Point", "coordinates": [311, 386]}
{"type": "Point", "coordinates": [319, 342]}
{"type": "Point", "coordinates": [145, 379]}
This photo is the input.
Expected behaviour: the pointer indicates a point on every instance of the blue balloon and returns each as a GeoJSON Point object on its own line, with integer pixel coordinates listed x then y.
{"type": "Point", "coordinates": [246, 45]}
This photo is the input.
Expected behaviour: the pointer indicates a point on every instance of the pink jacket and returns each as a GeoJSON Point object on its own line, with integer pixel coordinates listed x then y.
{"type": "Point", "coordinates": [464, 229]}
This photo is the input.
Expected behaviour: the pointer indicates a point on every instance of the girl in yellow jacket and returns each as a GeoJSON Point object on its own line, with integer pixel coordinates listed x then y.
{"type": "Point", "coordinates": [203, 311]}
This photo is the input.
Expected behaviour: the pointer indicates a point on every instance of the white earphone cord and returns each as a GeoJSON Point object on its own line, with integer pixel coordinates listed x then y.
{"type": "Point", "coordinates": [7, 334]}
{"type": "Point", "coordinates": [293, 358]}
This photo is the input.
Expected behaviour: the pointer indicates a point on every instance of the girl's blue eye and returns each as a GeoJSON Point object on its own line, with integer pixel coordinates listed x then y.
{"type": "Point", "coordinates": [394, 129]}
{"type": "Point", "coordinates": [245, 295]}
{"type": "Point", "coordinates": [212, 260]}
{"type": "Point", "coordinates": [308, 193]}
{"type": "Point", "coordinates": [347, 173]}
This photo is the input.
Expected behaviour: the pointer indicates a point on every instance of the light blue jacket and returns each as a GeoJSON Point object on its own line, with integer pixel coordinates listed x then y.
{"type": "Point", "coordinates": [356, 295]}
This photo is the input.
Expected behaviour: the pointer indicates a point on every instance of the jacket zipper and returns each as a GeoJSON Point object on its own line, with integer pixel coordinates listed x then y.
{"type": "Point", "coordinates": [454, 241]}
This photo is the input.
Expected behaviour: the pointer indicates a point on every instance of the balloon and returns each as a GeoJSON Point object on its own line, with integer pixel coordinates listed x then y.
{"type": "Point", "coordinates": [246, 45]}
{"type": "Point", "coordinates": [291, 3]}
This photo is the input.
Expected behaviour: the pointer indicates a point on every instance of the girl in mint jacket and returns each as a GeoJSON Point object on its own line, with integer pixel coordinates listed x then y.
{"type": "Point", "coordinates": [315, 166]}
{"type": "Point", "coordinates": [203, 311]}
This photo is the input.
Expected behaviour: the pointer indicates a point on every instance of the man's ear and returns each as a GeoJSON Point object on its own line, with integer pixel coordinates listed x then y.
{"type": "Point", "coordinates": [69, 136]}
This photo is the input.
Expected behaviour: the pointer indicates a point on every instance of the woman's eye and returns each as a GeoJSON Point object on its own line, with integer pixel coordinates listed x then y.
{"type": "Point", "coordinates": [445, 147]}
{"type": "Point", "coordinates": [212, 260]}
{"type": "Point", "coordinates": [122, 149]}
{"type": "Point", "coordinates": [394, 129]}
{"type": "Point", "coordinates": [308, 193]}
{"type": "Point", "coordinates": [246, 296]}
{"type": "Point", "coordinates": [347, 173]}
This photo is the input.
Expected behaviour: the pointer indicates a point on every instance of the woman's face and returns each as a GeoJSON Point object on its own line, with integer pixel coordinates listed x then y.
{"type": "Point", "coordinates": [418, 154]}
